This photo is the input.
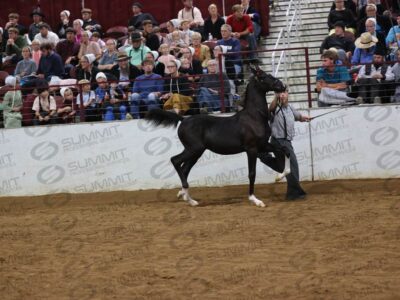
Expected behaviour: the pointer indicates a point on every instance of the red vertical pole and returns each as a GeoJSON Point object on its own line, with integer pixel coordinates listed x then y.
{"type": "Point", "coordinates": [221, 80]}
{"type": "Point", "coordinates": [308, 77]}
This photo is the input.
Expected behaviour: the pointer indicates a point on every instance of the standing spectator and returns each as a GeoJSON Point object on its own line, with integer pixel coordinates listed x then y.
{"type": "Point", "coordinates": [146, 90]}
{"type": "Point", "coordinates": [373, 79]}
{"type": "Point", "coordinates": [66, 112]}
{"type": "Point", "coordinates": [88, 99]}
{"type": "Point", "coordinates": [86, 69]}
{"type": "Point", "coordinates": [46, 36]}
{"type": "Point", "coordinates": [139, 17]}
{"type": "Point", "coordinates": [14, 45]}
{"type": "Point", "coordinates": [109, 58]}
{"type": "Point", "coordinates": [152, 40]}
{"type": "Point", "coordinates": [36, 53]}
{"type": "Point", "coordinates": [25, 67]}
{"type": "Point", "coordinates": [77, 26]}
{"type": "Point", "coordinates": [365, 48]}
{"type": "Point", "coordinates": [13, 21]}
{"type": "Point", "coordinates": [12, 104]}
{"type": "Point", "coordinates": [159, 67]}
{"type": "Point", "coordinates": [50, 63]}
{"type": "Point", "coordinates": [193, 14]}
{"type": "Point", "coordinates": [332, 81]}
{"type": "Point", "coordinates": [88, 46]}
{"type": "Point", "coordinates": [210, 87]}
{"type": "Point", "coordinates": [212, 25]}
{"type": "Point", "coordinates": [44, 106]}
{"type": "Point", "coordinates": [88, 22]}
{"type": "Point", "coordinates": [124, 71]}
{"type": "Point", "coordinates": [34, 28]}
{"type": "Point", "coordinates": [338, 41]}
{"type": "Point", "coordinates": [137, 51]}
{"type": "Point", "coordinates": [64, 24]}
{"type": "Point", "coordinates": [68, 49]}
{"type": "Point", "coordinates": [242, 28]}
{"type": "Point", "coordinates": [341, 13]}
{"type": "Point", "coordinates": [201, 52]}
{"type": "Point", "coordinates": [177, 90]}
{"type": "Point", "coordinates": [254, 15]}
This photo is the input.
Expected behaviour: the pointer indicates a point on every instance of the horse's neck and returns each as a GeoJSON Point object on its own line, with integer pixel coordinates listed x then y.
{"type": "Point", "coordinates": [256, 104]}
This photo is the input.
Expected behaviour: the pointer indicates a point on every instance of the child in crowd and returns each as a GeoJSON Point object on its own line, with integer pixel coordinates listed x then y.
{"type": "Point", "coordinates": [12, 104]}
{"type": "Point", "coordinates": [186, 32]}
{"type": "Point", "coordinates": [66, 112]}
{"type": "Point", "coordinates": [36, 53]}
{"type": "Point", "coordinates": [97, 38]}
{"type": "Point", "coordinates": [89, 101]}
{"type": "Point", "coordinates": [44, 106]}
{"type": "Point", "coordinates": [177, 42]}
{"type": "Point", "coordinates": [165, 56]}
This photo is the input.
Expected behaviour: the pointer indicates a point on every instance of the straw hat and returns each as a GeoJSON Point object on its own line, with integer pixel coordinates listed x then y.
{"type": "Point", "coordinates": [365, 41]}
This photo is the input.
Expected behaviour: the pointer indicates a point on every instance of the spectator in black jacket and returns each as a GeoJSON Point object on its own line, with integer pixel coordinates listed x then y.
{"type": "Point", "coordinates": [212, 25]}
{"type": "Point", "coordinates": [382, 22]}
{"type": "Point", "coordinates": [139, 17]}
{"type": "Point", "coordinates": [344, 45]}
{"type": "Point", "coordinates": [341, 13]}
{"type": "Point", "coordinates": [50, 63]}
{"type": "Point", "coordinates": [88, 22]}
{"type": "Point", "coordinates": [152, 40]}
{"type": "Point", "coordinates": [124, 71]}
{"type": "Point", "coordinates": [86, 70]}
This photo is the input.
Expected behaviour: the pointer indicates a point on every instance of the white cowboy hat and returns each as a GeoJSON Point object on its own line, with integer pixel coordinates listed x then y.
{"type": "Point", "coordinates": [365, 41]}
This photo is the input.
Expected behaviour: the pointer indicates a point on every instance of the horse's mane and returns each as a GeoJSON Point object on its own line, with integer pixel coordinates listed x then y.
{"type": "Point", "coordinates": [246, 95]}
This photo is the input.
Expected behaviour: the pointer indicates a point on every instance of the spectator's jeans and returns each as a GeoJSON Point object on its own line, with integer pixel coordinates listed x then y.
{"type": "Point", "coordinates": [115, 111]}
{"type": "Point", "coordinates": [150, 100]}
{"type": "Point", "coordinates": [251, 39]}
{"type": "Point", "coordinates": [52, 119]}
{"type": "Point", "coordinates": [256, 29]}
{"type": "Point", "coordinates": [210, 100]}
{"type": "Point", "coordinates": [368, 89]}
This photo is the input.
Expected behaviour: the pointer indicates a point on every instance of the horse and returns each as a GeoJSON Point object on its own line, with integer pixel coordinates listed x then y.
{"type": "Point", "coordinates": [246, 131]}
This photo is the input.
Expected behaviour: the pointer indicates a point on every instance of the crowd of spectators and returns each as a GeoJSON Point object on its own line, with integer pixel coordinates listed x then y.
{"type": "Point", "coordinates": [360, 56]}
{"type": "Point", "coordinates": [78, 65]}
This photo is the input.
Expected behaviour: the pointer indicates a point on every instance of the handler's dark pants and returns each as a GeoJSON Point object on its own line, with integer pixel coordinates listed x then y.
{"type": "Point", "coordinates": [277, 163]}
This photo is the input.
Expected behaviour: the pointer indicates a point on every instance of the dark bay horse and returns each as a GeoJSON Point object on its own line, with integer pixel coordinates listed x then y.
{"type": "Point", "coordinates": [246, 131]}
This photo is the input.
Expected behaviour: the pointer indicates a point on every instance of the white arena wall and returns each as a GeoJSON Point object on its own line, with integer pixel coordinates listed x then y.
{"type": "Point", "coordinates": [355, 142]}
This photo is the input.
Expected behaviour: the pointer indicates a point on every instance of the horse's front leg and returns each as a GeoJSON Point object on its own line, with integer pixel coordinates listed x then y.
{"type": "Point", "coordinates": [252, 163]}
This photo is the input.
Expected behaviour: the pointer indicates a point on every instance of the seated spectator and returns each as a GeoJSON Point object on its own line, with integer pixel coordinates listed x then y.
{"type": "Point", "coordinates": [26, 68]}
{"type": "Point", "coordinates": [36, 53]}
{"type": "Point", "coordinates": [152, 40]}
{"type": "Point", "coordinates": [201, 52]}
{"type": "Point", "coordinates": [177, 90]}
{"type": "Point", "coordinates": [12, 104]}
{"type": "Point", "coordinates": [242, 28]}
{"type": "Point", "coordinates": [139, 16]}
{"type": "Point", "coordinates": [66, 113]}
{"type": "Point", "coordinates": [146, 90]}
{"type": "Point", "coordinates": [370, 25]}
{"type": "Point", "coordinates": [338, 40]}
{"type": "Point", "coordinates": [157, 32]}
{"type": "Point", "coordinates": [13, 21]}
{"type": "Point", "coordinates": [77, 26]}
{"type": "Point", "coordinates": [341, 13]}
{"type": "Point", "coordinates": [373, 79]}
{"type": "Point", "coordinates": [195, 67]}
{"type": "Point", "coordinates": [176, 43]}
{"type": "Point", "coordinates": [112, 98]}
{"type": "Point", "coordinates": [124, 71]}
{"type": "Point", "coordinates": [254, 15]}
{"type": "Point", "coordinates": [87, 99]}
{"type": "Point", "coordinates": [396, 73]}
{"type": "Point", "coordinates": [185, 69]}
{"type": "Point", "coordinates": [46, 36]}
{"type": "Point", "coordinates": [88, 22]}
{"type": "Point", "coordinates": [393, 39]}
{"type": "Point", "coordinates": [88, 46]}
{"type": "Point", "coordinates": [362, 7]}
{"type": "Point", "coordinates": [165, 57]}
{"type": "Point", "coordinates": [14, 46]}
{"type": "Point", "coordinates": [208, 96]}
{"type": "Point", "coordinates": [233, 45]}
{"type": "Point", "coordinates": [97, 39]}
{"type": "Point", "coordinates": [50, 63]}
{"type": "Point", "coordinates": [332, 81]}
{"type": "Point", "coordinates": [186, 32]}
{"type": "Point", "coordinates": [68, 49]}
{"type": "Point", "coordinates": [212, 25]}
{"type": "Point", "coordinates": [64, 24]}
{"type": "Point", "coordinates": [173, 25]}
{"type": "Point", "coordinates": [227, 65]}
{"type": "Point", "coordinates": [137, 51]}
{"type": "Point", "coordinates": [193, 14]}
{"type": "Point", "coordinates": [349, 4]}
{"type": "Point", "coordinates": [159, 67]}
{"type": "Point", "coordinates": [365, 49]}
{"type": "Point", "coordinates": [86, 69]}
{"type": "Point", "coordinates": [382, 23]}
{"type": "Point", "coordinates": [44, 106]}
{"type": "Point", "coordinates": [109, 58]}
{"type": "Point", "coordinates": [34, 28]}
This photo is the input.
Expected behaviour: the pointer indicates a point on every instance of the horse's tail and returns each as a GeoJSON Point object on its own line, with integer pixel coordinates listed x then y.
{"type": "Point", "coordinates": [164, 118]}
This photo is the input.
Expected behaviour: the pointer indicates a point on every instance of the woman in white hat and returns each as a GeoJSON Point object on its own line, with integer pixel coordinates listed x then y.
{"type": "Point", "coordinates": [88, 46]}
{"type": "Point", "coordinates": [64, 24]}
{"type": "Point", "coordinates": [86, 69]}
{"type": "Point", "coordinates": [365, 48]}
{"type": "Point", "coordinates": [12, 104]}
{"type": "Point", "coordinates": [159, 67]}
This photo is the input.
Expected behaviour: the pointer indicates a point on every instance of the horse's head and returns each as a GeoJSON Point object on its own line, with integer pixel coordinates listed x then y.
{"type": "Point", "coordinates": [267, 82]}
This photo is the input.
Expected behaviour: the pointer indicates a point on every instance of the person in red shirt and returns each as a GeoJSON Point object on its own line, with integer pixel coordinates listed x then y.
{"type": "Point", "coordinates": [242, 27]}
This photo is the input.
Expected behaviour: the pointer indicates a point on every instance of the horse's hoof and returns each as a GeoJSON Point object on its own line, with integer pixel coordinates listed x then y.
{"type": "Point", "coordinates": [193, 202]}
{"type": "Point", "coordinates": [257, 202]}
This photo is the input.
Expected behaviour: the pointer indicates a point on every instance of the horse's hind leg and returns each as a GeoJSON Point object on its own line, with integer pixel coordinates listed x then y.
{"type": "Point", "coordinates": [252, 163]}
{"type": "Point", "coordinates": [183, 163]}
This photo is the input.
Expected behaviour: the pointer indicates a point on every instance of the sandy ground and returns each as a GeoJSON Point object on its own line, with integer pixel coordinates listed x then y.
{"type": "Point", "coordinates": [343, 242]}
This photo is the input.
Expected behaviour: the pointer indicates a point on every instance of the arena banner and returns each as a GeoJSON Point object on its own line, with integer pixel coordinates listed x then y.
{"type": "Point", "coordinates": [356, 142]}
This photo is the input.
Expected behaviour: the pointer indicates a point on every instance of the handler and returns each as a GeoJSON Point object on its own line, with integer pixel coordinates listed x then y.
{"type": "Point", "coordinates": [282, 121]}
